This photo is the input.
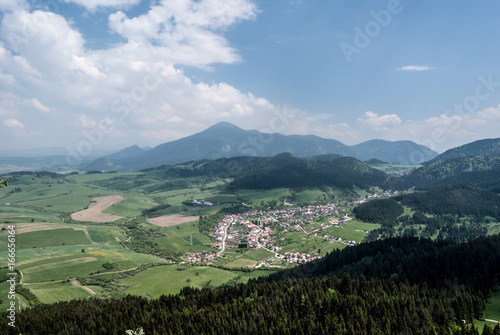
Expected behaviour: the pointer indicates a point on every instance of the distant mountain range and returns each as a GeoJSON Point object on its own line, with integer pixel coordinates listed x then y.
{"type": "Point", "coordinates": [225, 140]}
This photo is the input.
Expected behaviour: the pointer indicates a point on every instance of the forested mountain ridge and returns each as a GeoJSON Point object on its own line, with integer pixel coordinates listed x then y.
{"type": "Point", "coordinates": [483, 171]}
{"type": "Point", "coordinates": [476, 163]}
{"type": "Point", "coordinates": [283, 170]}
{"type": "Point", "coordinates": [457, 213]}
{"type": "Point", "coordinates": [438, 264]}
{"type": "Point", "coordinates": [400, 152]}
{"type": "Point", "coordinates": [458, 200]}
{"type": "Point", "coordinates": [483, 148]}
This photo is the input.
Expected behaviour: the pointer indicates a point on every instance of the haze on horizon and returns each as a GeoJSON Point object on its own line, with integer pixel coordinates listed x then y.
{"type": "Point", "coordinates": [147, 72]}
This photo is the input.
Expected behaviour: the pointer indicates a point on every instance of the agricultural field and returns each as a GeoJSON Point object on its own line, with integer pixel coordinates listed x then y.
{"type": "Point", "coordinates": [142, 213]}
{"type": "Point", "coordinates": [170, 279]}
{"type": "Point", "coordinates": [395, 169]}
{"type": "Point", "coordinates": [184, 237]}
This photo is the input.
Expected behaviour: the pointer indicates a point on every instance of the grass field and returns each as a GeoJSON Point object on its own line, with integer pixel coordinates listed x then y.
{"type": "Point", "coordinates": [169, 280]}
{"type": "Point", "coordinates": [51, 248]}
{"type": "Point", "coordinates": [47, 238]}
{"type": "Point", "coordinates": [49, 293]}
{"type": "Point", "coordinates": [11, 214]}
{"type": "Point", "coordinates": [59, 263]}
{"type": "Point", "coordinates": [353, 230]}
{"type": "Point", "coordinates": [493, 306]}
{"type": "Point", "coordinates": [240, 263]}
{"type": "Point", "coordinates": [179, 238]}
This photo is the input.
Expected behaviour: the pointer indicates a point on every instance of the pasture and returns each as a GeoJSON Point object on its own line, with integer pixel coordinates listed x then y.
{"type": "Point", "coordinates": [49, 293]}
{"type": "Point", "coordinates": [240, 263]}
{"type": "Point", "coordinates": [352, 230]}
{"type": "Point", "coordinates": [52, 249]}
{"type": "Point", "coordinates": [53, 237]}
{"type": "Point", "coordinates": [63, 262]}
{"type": "Point", "coordinates": [493, 306]}
{"type": "Point", "coordinates": [178, 238]}
{"type": "Point", "coordinates": [170, 279]}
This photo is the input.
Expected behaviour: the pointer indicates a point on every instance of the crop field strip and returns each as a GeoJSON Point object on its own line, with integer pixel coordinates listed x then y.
{"type": "Point", "coordinates": [51, 250]}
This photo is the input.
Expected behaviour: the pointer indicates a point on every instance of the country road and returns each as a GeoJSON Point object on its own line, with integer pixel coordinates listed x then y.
{"type": "Point", "coordinates": [225, 236]}
{"type": "Point", "coordinates": [490, 320]}
{"type": "Point", "coordinates": [77, 284]}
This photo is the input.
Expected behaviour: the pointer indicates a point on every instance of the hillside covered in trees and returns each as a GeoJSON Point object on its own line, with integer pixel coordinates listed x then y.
{"type": "Point", "coordinates": [283, 170]}
{"type": "Point", "coordinates": [475, 163]}
{"type": "Point", "coordinates": [482, 171]}
{"type": "Point", "coordinates": [458, 213]}
{"type": "Point", "coordinates": [286, 170]}
{"type": "Point", "coordinates": [396, 286]}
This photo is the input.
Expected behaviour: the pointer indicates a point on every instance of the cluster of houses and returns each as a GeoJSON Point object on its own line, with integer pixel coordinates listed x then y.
{"type": "Point", "coordinates": [298, 258]}
{"type": "Point", "coordinates": [292, 216]}
{"type": "Point", "coordinates": [201, 257]}
{"type": "Point", "coordinates": [233, 229]}
{"type": "Point", "coordinates": [253, 227]}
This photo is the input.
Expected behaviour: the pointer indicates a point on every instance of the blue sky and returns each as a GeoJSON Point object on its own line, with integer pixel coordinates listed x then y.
{"type": "Point", "coordinates": [89, 75]}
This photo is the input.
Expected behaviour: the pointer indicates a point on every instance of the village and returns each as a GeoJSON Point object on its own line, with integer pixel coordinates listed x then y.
{"type": "Point", "coordinates": [257, 229]}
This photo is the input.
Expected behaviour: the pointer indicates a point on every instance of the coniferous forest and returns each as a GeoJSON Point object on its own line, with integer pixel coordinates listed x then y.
{"type": "Point", "coordinates": [393, 286]}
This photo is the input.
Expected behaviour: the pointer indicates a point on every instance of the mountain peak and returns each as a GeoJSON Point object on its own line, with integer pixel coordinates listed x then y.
{"type": "Point", "coordinates": [223, 126]}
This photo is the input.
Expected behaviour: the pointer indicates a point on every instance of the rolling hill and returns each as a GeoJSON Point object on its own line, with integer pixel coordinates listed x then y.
{"type": "Point", "coordinates": [483, 148]}
{"type": "Point", "coordinates": [286, 170]}
{"type": "Point", "coordinates": [400, 152]}
{"type": "Point", "coordinates": [476, 163]}
{"type": "Point", "coordinates": [283, 170]}
{"type": "Point", "coordinates": [458, 213]}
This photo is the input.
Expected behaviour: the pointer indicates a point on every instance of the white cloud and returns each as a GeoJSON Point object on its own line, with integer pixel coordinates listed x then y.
{"type": "Point", "coordinates": [39, 106]}
{"type": "Point", "coordinates": [84, 87]}
{"type": "Point", "coordinates": [92, 5]}
{"type": "Point", "coordinates": [415, 68]}
{"type": "Point", "coordinates": [49, 77]}
{"type": "Point", "coordinates": [13, 5]}
{"type": "Point", "coordinates": [377, 122]}
{"type": "Point", "coordinates": [184, 31]}
{"type": "Point", "coordinates": [44, 40]}
{"type": "Point", "coordinates": [12, 123]}
{"type": "Point", "coordinates": [491, 113]}
{"type": "Point", "coordinates": [84, 65]}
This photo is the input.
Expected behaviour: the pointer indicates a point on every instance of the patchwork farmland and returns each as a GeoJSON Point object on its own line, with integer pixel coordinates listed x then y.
{"type": "Point", "coordinates": [111, 234]}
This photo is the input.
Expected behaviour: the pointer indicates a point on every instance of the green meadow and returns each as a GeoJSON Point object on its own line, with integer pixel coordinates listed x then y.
{"type": "Point", "coordinates": [179, 239]}
{"type": "Point", "coordinates": [53, 292]}
{"type": "Point", "coordinates": [170, 279]}
{"type": "Point", "coordinates": [53, 237]}
{"type": "Point", "coordinates": [493, 306]}
{"type": "Point", "coordinates": [52, 249]}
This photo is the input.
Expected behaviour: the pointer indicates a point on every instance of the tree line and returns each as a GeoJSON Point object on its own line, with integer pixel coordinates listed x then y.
{"type": "Point", "coordinates": [395, 286]}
